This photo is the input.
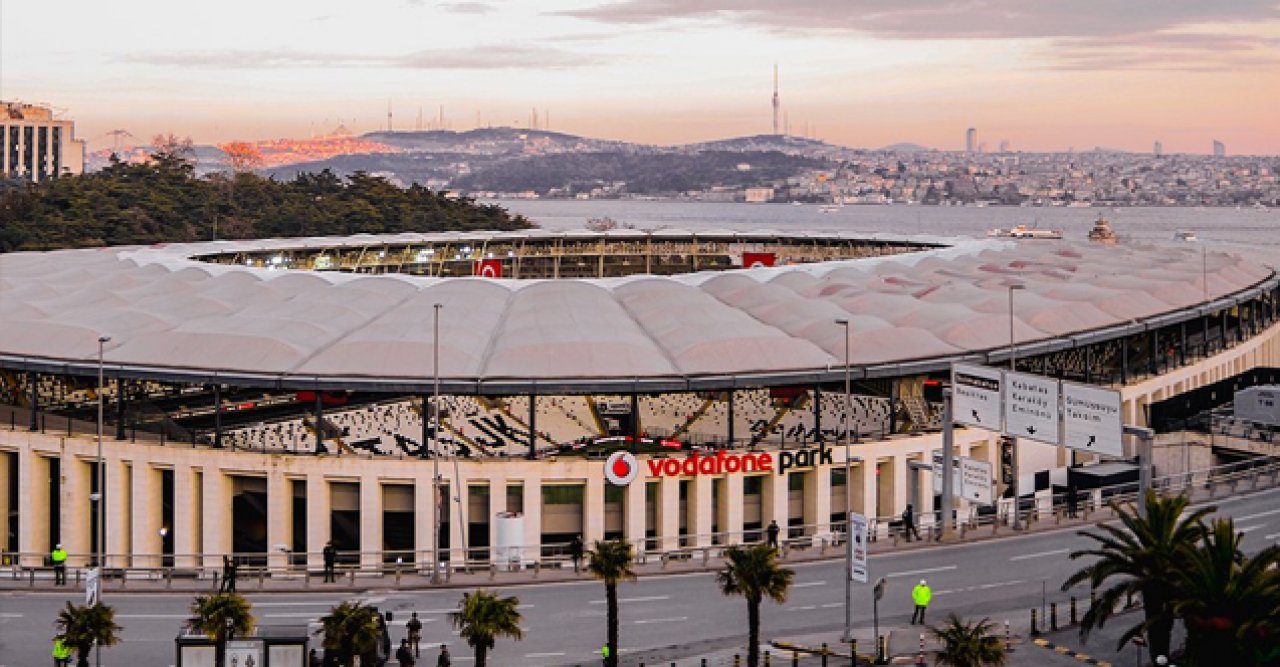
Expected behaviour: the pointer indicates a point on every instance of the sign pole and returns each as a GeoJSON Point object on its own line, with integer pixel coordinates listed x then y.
{"type": "Point", "coordinates": [948, 447]}
{"type": "Point", "coordinates": [1145, 436]}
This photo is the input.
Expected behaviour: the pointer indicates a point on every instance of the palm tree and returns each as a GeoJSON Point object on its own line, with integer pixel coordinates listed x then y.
{"type": "Point", "coordinates": [966, 644]}
{"type": "Point", "coordinates": [1228, 602]}
{"type": "Point", "coordinates": [218, 617]}
{"type": "Point", "coordinates": [1143, 553]}
{"type": "Point", "coordinates": [753, 572]}
{"type": "Point", "coordinates": [610, 562]}
{"type": "Point", "coordinates": [351, 629]}
{"type": "Point", "coordinates": [82, 627]}
{"type": "Point", "coordinates": [482, 617]}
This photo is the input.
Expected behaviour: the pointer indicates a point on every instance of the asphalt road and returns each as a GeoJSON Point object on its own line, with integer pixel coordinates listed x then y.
{"type": "Point", "coordinates": [682, 615]}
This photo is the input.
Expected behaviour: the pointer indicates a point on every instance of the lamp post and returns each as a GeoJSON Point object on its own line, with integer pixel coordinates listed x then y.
{"type": "Point", "coordinates": [1013, 440]}
{"type": "Point", "coordinates": [848, 492]}
{"type": "Point", "coordinates": [102, 496]}
{"type": "Point", "coordinates": [435, 447]}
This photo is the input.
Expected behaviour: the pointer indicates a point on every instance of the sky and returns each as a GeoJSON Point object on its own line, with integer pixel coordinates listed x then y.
{"type": "Point", "coordinates": [1045, 75]}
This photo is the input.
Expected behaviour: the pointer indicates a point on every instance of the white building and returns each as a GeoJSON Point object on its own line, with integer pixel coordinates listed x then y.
{"type": "Point", "coordinates": [35, 146]}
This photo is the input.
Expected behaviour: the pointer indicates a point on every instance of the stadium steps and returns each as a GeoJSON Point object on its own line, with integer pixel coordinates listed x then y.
{"type": "Point", "coordinates": [693, 419]}
{"type": "Point", "coordinates": [522, 425]}
{"type": "Point", "coordinates": [595, 416]}
{"type": "Point", "coordinates": [13, 388]}
{"type": "Point", "coordinates": [777, 419]}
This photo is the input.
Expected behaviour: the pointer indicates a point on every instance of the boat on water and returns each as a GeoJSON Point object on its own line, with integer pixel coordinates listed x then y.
{"type": "Point", "coordinates": [1025, 232]}
{"type": "Point", "coordinates": [1185, 236]}
{"type": "Point", "coordinates": [829, 208]}
{"type": "Point", "coordinates": [1102, 232]}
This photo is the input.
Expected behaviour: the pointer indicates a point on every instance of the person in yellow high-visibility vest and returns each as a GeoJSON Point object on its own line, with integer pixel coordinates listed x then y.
{"type": "Point", "coordinates": [61, 653]}
{"type": "Point", "coordinates": [921, 595]}
{"type": "Point", "coordinates": [59, 558]}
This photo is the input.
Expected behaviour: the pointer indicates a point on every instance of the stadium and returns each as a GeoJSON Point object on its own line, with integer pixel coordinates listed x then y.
{"type": "Point", "coordinates": [264, 398]}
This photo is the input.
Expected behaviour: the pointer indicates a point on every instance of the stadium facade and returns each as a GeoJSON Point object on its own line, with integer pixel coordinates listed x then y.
{"type": "Point", "coordinates": [268, 397]}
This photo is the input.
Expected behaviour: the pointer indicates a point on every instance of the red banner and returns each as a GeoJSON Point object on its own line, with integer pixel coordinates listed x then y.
{"type": "Point", "coordinates": [751, 260]}
{"type": "Point", "coordinates": [488, 268]}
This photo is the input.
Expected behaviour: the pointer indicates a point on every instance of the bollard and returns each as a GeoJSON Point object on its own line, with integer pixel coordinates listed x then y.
{"type": "Point", "coordinates": [1008, 638]}
{"type": "Point", "coordinates": [168, 577]}
{"type": "Point", "coordinates": [882, 649]}
{"type": "Point", "coordinates": [853, 650]}
{"type": "Point", "coordinates": [351, 577]}
{"type": "Point", "coordinates": [1073, 610]}
{"type": "Point", "coordinates": [493, 571]}
{"type": "Point", "coordinates": [704, 663]}
{"type": "Point", "coordinates": [1053, 616]}
{"type": "Point", "coordinates": [1093, 599]}
{"type": "Point", "coordinates": [737, 660]}
{"type": "Point", "coordinates": [920, 655]}
{"type": "Point", "coordinates": [706, 557]}
{"type": "Point", "coordinates": [795, 658]}
{"type": "Point", "coordinates": [1035, 632]}
{"type": "Point", "coordinates": [768, 659]}
{"type": "Point", "coordinates": [824, 654]}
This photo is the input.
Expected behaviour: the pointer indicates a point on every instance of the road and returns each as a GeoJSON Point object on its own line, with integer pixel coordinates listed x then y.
{"type": "Point", "coordinates": [683, 615]}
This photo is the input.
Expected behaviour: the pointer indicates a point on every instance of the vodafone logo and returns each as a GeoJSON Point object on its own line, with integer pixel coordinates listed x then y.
{"type": "Point", "coordinates": [621, 468]}
{"type": "Point", "coordinates": [756, 264]}
{"type": "Point", "coordinates": [487, 271]}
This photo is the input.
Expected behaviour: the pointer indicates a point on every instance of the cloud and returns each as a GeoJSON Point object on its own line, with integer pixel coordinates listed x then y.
{"type": "Point", "coordinates": [493, 57]}
{"type": "Point", "coordinates": [469, 7]}
{"type": "Point", "coordinates": [943, 19]}
{"type": "Point", "coordinates": [1180, 51]}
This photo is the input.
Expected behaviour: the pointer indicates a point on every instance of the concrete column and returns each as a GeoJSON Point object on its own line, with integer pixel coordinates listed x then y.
{"type": "Point", "coordinates": [817, 501]}
{"type": "Point", "coordinates": [33, 506]}
{"type": "Point", "coordinates": [731, 501]}
{"type": "Point", "coordinates": [593, 510]}
{"type": "Point", "coordinates": [148, 501]}
{"type": "Point", "coordinates": [279, 518]}
{"type": "Point", "coordinates": [370, 522]}
{"type": "Point", "coordinates": [863, 491]}
{"type": "Point", "coordinates": [497, 505]}
{"type": "Point", "coordinates": [424, 539]}
{"type": "Point", "coordinates": [532, 489]}
{"type": "Point", "coordinates": [669, 513]}
{"type": "Point", "coordinates": [187, 515]}
{"type": "Point", "coordinates": [318, 513]}
{"type": "Point", "coordinates": [77, 509]}
{"type": "Point", "coordinates": [119, 512]}
{"type": "Point", "coordinates": [773, 501]}
{"type": "Point", "coordinates": [894, 498]}
{"type": "Point", "coordinates": [633, 514]}
{"type": "Point", "coordinates": [4, 475]}
{"type": "Point", "coordinates": [217, 503]}
{"type": "Point", "coordinates": [700, 504]}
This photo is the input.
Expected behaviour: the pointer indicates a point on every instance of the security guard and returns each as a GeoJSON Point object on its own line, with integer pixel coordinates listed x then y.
{"type": "Point", "coordinates": [61, 653]}
{"type": "Point", "coordinates": [59, 558]}
{"type": "Point", "coordinates": [921, 595]}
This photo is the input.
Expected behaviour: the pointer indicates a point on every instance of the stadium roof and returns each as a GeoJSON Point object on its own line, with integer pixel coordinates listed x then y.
{"type": "Point", "coordinates": [170, 316]}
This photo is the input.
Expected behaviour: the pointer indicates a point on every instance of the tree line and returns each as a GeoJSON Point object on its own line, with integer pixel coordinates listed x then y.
{"type": "Point", "coordinates": [164, 201]}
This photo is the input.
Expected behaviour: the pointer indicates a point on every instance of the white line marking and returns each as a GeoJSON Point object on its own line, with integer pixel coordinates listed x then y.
{"type": "Point", "coordinates": [1040, 554]}
{"type": "Point", "coordinates": [912, 573]}
{"type": "Point", "coordinates": [1259, 515]}
{"type": "Point", "coordinates": [293, 604]}
{"type": "Point", "coordinates": [808, 584]}
{"type": "Point", "coordinates": [153, 616]}
{"type": "Point", "coordinates": [832, 605]}
{"type": "Point", "coordinates": [297, 614]}
{"type": "Point", "coordinates": [651, 598]}
{"type": "Point", "coordinates": [808, 607]}
{"type": "Point", "coordinates": [8, 615]}
{"type": "Point", "coordinates": [673, 619]}
{"type": "Point", "coordinates": [1245, 529]}
{"type": "Point", "coordinates": [1272, 536]}
{"type": "Point", "coordinates": [542, 655]}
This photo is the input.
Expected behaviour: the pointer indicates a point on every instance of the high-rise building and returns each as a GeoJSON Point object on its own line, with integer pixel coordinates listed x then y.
{"type": "Point", "coordinates": [1158, 149]}
{"type": "Point", "coordinates": [776, 103]}
{"type": "Point", "coordinates": [1004, 145]}
{"type": "Point", "coordinates": [1219, 149]}
{"type": "Point", "coordinates": [34, 146]}
{"type": "Point", "coordinates": [971, 140]}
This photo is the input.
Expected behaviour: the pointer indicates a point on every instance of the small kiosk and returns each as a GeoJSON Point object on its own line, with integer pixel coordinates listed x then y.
{"type": "Point", "coordinates": [268, 646]}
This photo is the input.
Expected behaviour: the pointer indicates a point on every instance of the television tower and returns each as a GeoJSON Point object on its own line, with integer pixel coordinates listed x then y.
{"type": "Point", "coordinates": [775, 98]}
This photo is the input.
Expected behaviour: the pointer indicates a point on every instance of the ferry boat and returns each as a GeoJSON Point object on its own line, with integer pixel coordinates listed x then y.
{"type": "Point", "coordinates": [1025, 232]}
{"type": "Point", "coordinates": [1101, 232]}
{"type": "Point", "coordinates": [1185, 236]}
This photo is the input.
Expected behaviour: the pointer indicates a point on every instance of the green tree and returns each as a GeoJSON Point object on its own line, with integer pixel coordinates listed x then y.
{"type": "Point", "coordinates": [482, 617]}
{"type": "Point", "coordinates": [351, 629]}
{"type": "Point", "coordinates": [1229, 602]}
{"type": "Point", "coordinates": [611, 562]}
{"type": "Point", "coordinates": [1140, 556]}
{"type": "Point", "coordinates": [969, 644]}
{"type": "Point", "coordinates": [82, 627]}
{"type": "Point", "coordinates": [753, 572]}
{"type": "Point", "coordinates": [214, 615]}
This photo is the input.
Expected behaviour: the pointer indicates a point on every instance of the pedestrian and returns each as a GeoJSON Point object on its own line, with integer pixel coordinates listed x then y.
{"type": "Point", "coordinates": [443, 660]}
{"type": "Point", "coordinates": [575, 552]}
{"type": "Point", "coordinates": [414, 626]}
{"type": "Point", "coordinates": [920, 595]}
{"type": "Point", "coordinates": [330, 556]}
{"type": "Point", "coordinates": [1072, 501]}
{"type": "Point", "coordinates": [228, 575]}
{"type": "Point", "coordinates": [773, 531]}
{"type": "Point", "coordinates": [404, 656]}
{"type": "Point", "coordinates": [604, 653]}
{"type": "Point", "coordinates": [59, 558]}
{"type": "Point", "coordinates": [909, 522]}
{"type": "Point", "coordinates": [313, 660]}
{"type": "Point", "coordinates": [61, 653]}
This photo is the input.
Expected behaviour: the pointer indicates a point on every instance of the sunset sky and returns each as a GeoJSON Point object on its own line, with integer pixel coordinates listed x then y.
{"type": "Point", "coordinates": [1043, 74]}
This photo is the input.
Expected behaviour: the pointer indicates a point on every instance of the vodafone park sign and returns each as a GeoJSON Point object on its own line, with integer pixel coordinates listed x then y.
{"type": "Point", "coordinates": [621, 468]}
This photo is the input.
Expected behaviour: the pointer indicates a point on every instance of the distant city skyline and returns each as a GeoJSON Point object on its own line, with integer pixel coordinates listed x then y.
{"type": "Point", "coordinates": [1042, 76]}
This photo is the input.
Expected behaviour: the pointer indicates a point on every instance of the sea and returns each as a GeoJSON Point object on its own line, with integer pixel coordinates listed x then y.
{"type": "Point", "coordinates": [1220, 226]}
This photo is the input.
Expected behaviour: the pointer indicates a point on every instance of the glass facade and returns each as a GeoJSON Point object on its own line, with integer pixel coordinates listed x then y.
{"type": "Point", "coordinates": [42, 153]}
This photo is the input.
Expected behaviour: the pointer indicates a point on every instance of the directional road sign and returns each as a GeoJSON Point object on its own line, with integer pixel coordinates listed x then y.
{"type": "Point", "coordinates": [858, 533]}
{"type": "Point", "coordinates": [975, 481]}
{"type": "Point", "coordinates": [1031, 407]}
{"type": "Point", "coordinates": [1091, 419]}
{"type": "Point", "coordinates": [975, 395]}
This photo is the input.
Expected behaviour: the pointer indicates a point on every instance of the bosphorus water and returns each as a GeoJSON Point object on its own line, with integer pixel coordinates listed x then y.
{"type": "Point", "coordinates": [1217, 226]}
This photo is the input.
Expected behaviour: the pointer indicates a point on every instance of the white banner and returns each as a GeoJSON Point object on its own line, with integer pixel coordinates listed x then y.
{"type": "Point", "coordinates": [858, 538]}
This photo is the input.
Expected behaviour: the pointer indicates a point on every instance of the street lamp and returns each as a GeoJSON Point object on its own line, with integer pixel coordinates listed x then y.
{"type": "Point", "coordinates": [435, 447]}
{"type": "Point", "coordinates": [102, 487]}
{"type": "Point", "coordinates": [1013, 440]}
{"type": "Point", "coordinates": [848, 492]}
